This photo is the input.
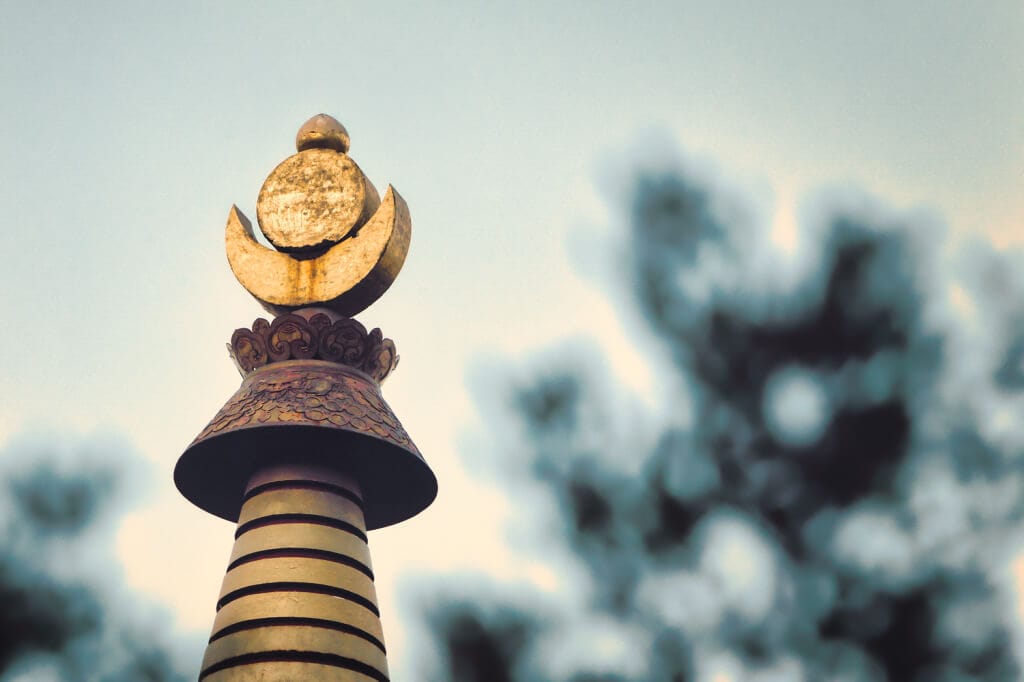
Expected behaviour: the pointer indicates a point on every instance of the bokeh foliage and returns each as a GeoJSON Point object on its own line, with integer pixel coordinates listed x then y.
{"type": "Point", "coordinates": [65, 615]}
{"type": "Point", "coordinates": [837, 488]}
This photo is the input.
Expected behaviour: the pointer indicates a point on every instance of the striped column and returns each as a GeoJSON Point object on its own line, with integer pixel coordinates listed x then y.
{"type": "Point", "coordinates": [298, 601]}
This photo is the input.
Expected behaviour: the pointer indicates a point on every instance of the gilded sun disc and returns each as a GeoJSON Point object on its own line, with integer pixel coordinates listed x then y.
{"type": "Point", "coordinates": [313, 199]}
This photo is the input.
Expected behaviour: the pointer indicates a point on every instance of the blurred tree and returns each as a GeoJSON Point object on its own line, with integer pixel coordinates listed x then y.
{"type": "Point", "coordinates": [57, 622]}
{"type": "Point", "coordinates": [840, 493]}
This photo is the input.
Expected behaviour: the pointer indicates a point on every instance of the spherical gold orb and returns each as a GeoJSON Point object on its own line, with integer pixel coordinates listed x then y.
{"type": "Point", "coordinates": [322, 132]}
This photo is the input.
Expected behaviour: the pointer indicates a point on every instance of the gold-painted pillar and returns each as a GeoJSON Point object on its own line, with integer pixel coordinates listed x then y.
{"type": "Point", "coordinates": [298, 600]}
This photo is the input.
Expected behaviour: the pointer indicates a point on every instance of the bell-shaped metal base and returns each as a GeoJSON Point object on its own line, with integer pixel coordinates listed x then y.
{"type": "Point", "coordinates": [307, 411]}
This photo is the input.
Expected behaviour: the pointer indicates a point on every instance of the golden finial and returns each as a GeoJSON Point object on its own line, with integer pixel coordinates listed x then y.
{"type": "Point", "coordinates": [339, 244]}
{"type": "Point", "coordinates": [322, 132]}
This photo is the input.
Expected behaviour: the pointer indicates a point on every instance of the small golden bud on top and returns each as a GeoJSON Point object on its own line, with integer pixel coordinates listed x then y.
{"type": "Point", "coordinates": [322, 132]}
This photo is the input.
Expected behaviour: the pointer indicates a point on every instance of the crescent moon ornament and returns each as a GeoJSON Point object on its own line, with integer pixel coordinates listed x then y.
{"type": "Point", "coordinates": [339, 245]}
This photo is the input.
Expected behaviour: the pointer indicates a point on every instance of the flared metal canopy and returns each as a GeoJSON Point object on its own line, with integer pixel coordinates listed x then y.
{"type": "Point", "coordinates": [308, 411]}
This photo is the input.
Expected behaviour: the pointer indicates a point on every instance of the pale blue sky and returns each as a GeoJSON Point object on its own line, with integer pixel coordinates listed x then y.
{"type": "Point", "coordinates": [127, 130]}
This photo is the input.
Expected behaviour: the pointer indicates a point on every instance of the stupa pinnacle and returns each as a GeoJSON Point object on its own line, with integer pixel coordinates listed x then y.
{"type": "Point", "coordinates": [339, 245]}
{"type": "Point", "coordinates": [306, 456]}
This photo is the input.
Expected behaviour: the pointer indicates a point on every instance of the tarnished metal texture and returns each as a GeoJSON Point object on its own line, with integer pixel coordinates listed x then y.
{"type": "Point", "coordinates": [307, 412]}
{"type": "Point", "coordinates": [297, 609]}
{"type": "Point", "coordinates": [314, 198]}
{"type": "Point", "coordinates": [340, 246]}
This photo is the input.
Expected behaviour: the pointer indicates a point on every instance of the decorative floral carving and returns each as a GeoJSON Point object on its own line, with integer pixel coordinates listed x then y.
{"type": "Point", "coordinates": [306, 396]}
{"type": "Point", "coordinates": [293, 337]}
{"type": "Point", "coordinates": [343, 342]}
